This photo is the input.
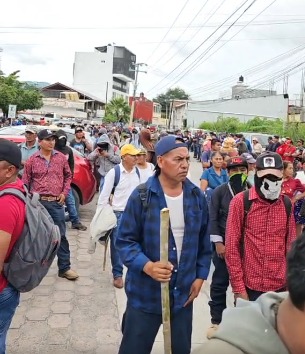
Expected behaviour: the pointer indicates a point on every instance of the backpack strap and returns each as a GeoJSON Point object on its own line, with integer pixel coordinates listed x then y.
{"type": "Point", "coordinates": [247, 207]}
{"type": "Point", "coordinates": [138, 173]}
{"type": "Point", "coordinates": [117, 176]}
{"type": "Point", "coordinates": [15, 192]}
{"type": "Point", "coordinates": [288, 208]}
{"type": "Point", "coordinates": [143, 193]}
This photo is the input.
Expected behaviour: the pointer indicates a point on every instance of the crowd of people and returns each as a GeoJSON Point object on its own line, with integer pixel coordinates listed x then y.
{"type": "Point", "coordinates": [244, 217]}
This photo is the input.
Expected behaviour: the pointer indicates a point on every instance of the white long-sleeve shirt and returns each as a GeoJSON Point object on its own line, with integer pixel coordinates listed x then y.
{"type": "Point", "coordinates": [127, 183]}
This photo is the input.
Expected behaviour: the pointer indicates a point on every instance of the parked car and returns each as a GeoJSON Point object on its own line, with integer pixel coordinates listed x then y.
{"type": "Point", "coordinates": [83, 183]}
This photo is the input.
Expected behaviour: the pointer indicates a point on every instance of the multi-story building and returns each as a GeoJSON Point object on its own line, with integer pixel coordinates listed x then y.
{"type": "Point", "coordinates": [241, 90]}
{"type": "Point", "coordinates": [105, 73]}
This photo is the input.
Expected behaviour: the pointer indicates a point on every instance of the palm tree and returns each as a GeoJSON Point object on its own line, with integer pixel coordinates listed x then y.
{"type": "Point", "coordinates": [118, 110]}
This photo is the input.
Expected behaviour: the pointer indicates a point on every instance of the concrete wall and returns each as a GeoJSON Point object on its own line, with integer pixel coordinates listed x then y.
{"type": "Point", "coordinates": [245, 109]}
{"type": "Point", "coordinates": [92, 71]}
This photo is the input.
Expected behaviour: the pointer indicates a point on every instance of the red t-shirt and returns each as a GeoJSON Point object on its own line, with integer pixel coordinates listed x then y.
{"type": "Point", "coordinates": [12, 218]}
{"type": "Point", "coordinates": [291, 186]}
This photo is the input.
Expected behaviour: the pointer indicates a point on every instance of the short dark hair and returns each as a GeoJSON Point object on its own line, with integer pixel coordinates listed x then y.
{"type": "Point", "coordinates": [213, 154]}
{"type": "Point", "coordinates": [276, 137]}
{"type": "Point", "coordinates": [296, 273]}
{"type": "Point", "coordinates": [215, 141]}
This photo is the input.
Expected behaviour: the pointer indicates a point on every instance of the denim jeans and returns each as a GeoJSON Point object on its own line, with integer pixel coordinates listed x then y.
{"type": "Point", "coordinates": [218, 289]}
{"type": "Point", "coordinates": [117, 265]}
{"type": "Point", "coordinates": [70, 204]}
{"type": "Point", "coordinates": [57, 213]}
{"type": "Point", "coordinates": [9, 300]}
{"type": "Point", "coordinates": [102, 180]}
{"type": "Point", "coordinates": [140, 329]}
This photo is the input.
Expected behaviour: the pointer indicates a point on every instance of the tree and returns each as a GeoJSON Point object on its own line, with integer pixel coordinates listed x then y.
{"type": "Point", "coordinates": [117, 110]}
{"type": "Point", "coordinates": [176, 93]}
{"type": "Point", "coordinates": [13, 91]}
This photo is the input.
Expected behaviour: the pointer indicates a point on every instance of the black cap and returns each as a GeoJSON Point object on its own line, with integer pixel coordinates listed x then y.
{"type": "Point", "coordinates": [269, 163]}
{"type": "Point", "coordinates": [10, 153]}
{"type": "Point", "coordinates": [237, 161]}
{"type": "Point", "coordinates": [45, 134]}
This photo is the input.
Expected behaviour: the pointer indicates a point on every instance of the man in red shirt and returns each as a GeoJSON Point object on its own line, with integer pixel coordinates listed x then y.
{"type": "Point", "coordinates": [12, 218]}
{"type": "Point", "coordinates": [256, 248]}
{"type": "Point", "coordinates": [47, 173]}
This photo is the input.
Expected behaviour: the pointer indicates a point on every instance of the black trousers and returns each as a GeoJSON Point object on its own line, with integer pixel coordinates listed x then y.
{"type": "Point", "coordinates": [218, 289]}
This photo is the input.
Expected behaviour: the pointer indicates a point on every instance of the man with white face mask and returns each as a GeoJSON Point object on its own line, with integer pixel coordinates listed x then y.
{"type": "Point", "coordinates": [257, 240]}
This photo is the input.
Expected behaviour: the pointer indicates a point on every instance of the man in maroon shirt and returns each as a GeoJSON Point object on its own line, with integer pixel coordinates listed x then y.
{"type": "Point", "coordinates": [47, 173]}
{"type": "Point", "coordinates": [256, 249]}
{"type": "Point", "coordinates": [12, 218]}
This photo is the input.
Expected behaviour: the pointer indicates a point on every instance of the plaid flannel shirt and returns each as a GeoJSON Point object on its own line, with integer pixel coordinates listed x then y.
{"type": "Point", "coordinates": [139, 242]}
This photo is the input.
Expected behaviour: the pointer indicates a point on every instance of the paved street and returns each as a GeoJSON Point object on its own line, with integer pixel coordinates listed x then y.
{"type": "Point", "coordinates": [63, 317]}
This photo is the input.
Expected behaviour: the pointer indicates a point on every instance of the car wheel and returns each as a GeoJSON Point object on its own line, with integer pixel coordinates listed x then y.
{"type": "Point", "coordinates": [76, 197]}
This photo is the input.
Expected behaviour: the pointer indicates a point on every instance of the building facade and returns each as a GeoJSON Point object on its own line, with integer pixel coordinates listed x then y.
{"type": "Point", "coordinates": [105, 73]}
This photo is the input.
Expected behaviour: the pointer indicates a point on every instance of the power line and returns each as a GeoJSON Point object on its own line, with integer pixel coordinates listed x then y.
{"type": "Point", "coordinates": [199, 61]}
{"type": "Point", "coordinates": [213, 25]}
{"type": "Point", "coordinates": [172, 25]}
{"type": "Point", "coordinates": [200, 28]}
{"type": "Point", "coordinates": [198, 47]}
{"type": "Point", "coordinates": [188, 26]}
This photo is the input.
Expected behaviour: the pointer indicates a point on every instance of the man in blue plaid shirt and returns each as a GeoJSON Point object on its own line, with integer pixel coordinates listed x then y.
{"type": "Point", "coordinates": [139, 246]}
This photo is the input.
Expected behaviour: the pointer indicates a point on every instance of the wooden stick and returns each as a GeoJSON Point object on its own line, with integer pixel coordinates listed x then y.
{"type": "Point", "coordinates": [164, 233]}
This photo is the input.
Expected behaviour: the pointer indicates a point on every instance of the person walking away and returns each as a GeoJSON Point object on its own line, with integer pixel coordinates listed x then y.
{"type": "Point", "coordinates": [287, 150]}
{"type": "Point", "coordinates": [129, 179]}
{"type": "Point", "coordinates": [61, 146]}
{"type": "Point", "coordinates": [256, 262]}
{"type": "Point", "coordinates": [30, 146]}
{"type": "Point", "coordinates": [106, 156]}
{"type": "Point", "coordinates": [139, 246]}
{"type": "Point", "coordinates": [257, 147]}
{"type": "Point", "coordinates": [219, 210]}
{"type": "Point", "coordinates": [275, 322]}
{"type": "Point", "coordinates": [47, 173]}
{"type": "Point", "coordinates": [295, 191]}
{"type": "Point", "coordinates": [147, 144]}
{"type": "Point", "coordinates": [12, 219]}
{"type": "Point", "coordinates": [213, 176]}
{"type": "Point", "coordinates": [146, 169]}
{"type": "Point", "coordinates": [206, 155]}
{"type": "Point", "coordinates": [80, 143]}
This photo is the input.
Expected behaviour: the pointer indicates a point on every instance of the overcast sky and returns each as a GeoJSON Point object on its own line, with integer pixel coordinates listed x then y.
{"type": "Point", "coordinates": [40, 38]}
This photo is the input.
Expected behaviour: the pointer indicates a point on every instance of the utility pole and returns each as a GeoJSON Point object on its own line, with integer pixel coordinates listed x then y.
{"type": "Point", "coordinates": [137, 67]}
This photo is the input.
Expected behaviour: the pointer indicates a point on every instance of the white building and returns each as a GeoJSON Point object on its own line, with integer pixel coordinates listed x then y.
{"type": "Point", "coordinates": [241, 90]}
{"type": "Point", "coordinates": [193, 113]}
{"type": "Point", "coordinates": [104, 73]}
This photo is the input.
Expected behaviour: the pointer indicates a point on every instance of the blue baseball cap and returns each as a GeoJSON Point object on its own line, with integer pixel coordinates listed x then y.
{"type": "Point", "coordinates": [169, 143]}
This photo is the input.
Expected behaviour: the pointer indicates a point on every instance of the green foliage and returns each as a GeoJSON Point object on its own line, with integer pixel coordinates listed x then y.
{"type": "Point", "coordinates": [257, 125]}
{"type": "Point", "coordinates": [12, 91]}
{"type": "Point", "coordinates": [117, 110]}
{"type": "Point", "coordinates": [176, 93]}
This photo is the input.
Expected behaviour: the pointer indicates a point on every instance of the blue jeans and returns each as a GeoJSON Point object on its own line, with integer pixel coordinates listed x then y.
{"type": "Point", "coordinates": [117, 265]}
{"type": "Point", "coordinates": [102, 180]}
{"type": "Point", "coordinates": [218, 289]}
{"type": "Point", "coordinates": [9, 300]}
{"type": "Point", "coordinates": [57, 213]}
{"type": "Point", "coordinates": [140, 329]}
{"type": "Point", "coordinates": [70, 204]}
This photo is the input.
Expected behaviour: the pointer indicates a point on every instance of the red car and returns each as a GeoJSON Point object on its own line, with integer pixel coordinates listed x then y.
{"type": "Point", "coordinates": [83, 182]}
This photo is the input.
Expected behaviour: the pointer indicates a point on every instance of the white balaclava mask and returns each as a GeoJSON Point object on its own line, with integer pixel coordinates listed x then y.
{"type": "Point", "coordinates": [270, 187]}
